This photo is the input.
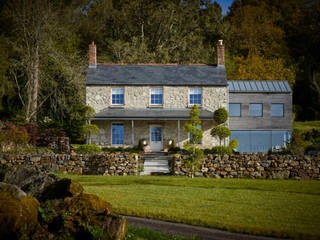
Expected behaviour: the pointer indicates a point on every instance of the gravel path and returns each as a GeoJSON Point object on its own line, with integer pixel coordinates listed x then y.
{"type": "Point", "coordinates": [190, 231]}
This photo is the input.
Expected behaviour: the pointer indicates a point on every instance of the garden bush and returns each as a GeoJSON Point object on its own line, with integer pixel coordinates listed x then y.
{"type": "Point", "coordinates": [10, 133]}
{"type": "Point", "coordinates": [233, 143]}
{"type": "Point", "coordinates": [221, 132]}
{"type": "Point", "coordinates": [220, 115]}
{"type": "Point", "coordinates": [221, 150]}
{"type": "Point", "coordinates": [44, 138]}
{"type": "Point", "coordinates": [122, 149]}
{"type": "Point", "coordinates": [88, 149]}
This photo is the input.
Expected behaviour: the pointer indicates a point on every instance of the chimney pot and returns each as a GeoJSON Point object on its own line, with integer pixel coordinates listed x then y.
{"type": "Point", "coordinates": [220, 53]}
{"type": "Point", "coordinates": [92, 55]}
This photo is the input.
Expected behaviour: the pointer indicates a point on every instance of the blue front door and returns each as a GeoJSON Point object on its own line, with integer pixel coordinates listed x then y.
{"type": "Point", "coordinates": [156, 138]}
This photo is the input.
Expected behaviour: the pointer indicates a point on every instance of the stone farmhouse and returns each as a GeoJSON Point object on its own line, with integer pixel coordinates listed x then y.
{"type": "Point", "coordinates": [152, 102]}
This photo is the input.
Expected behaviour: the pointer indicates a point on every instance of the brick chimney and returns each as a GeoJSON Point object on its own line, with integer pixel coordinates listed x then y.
{"type": "Point", "coordinates": [92, 55]}
{"type": "Point", "coordinates": [220, 53]}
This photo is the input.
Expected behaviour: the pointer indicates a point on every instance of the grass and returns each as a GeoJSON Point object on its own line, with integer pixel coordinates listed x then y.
{"type": "Point", "coordinates": [146, 234]}
{"type": "Point", "coordinates": [281, 208]}
{"type": "Point", "coordinates": [305, 126]}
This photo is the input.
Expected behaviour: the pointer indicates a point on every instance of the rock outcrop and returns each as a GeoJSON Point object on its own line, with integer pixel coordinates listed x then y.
{"type": "Point", "coordinates": [53, 207]}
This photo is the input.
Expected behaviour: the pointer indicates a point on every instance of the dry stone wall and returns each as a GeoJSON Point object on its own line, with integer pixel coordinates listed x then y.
{"type": "Point", "coordinates": [253, 166]}
{"type": "Point", "coordinates": [108, 164]}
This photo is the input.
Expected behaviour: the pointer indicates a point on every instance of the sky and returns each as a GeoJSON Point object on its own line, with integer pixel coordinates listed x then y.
{"type": "Point", "coordinates": [224, 4]}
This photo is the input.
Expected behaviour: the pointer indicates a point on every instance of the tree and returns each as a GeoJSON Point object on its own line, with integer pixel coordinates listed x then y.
{"type": "Point", "coordinates": [220, 115]}
{"type": "Point", "coordinates": [256, 67]}
{"type": "Point", "coordinates": [221, 132]}
{"type": "Point", "coordinates": [195, 156]}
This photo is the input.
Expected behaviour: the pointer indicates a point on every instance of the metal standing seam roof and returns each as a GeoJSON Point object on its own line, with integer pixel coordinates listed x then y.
{"type": "Point", "coordinates": [259, 86]}
{"type": "Point", "coordinates": [174, 75]}
{"type": "Point", "coordinates": [150, 114]}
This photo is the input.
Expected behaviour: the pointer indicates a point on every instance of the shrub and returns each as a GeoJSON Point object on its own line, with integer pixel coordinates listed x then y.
{"type": "Point", "coordinates": [15, 134]}
{"type": "Point", "coordinates": [121, 149]}
{"type": "Point", "coordinates": [33, 133]}
{"type": "Point", "coordinates": [221, 132]}
{"type": "Point", "coordinates": [221, 150]}
{"type": "Point", "coordinates": [88, 149]}
{"type": "Point", "coordinates": [233, 143]}
{"type": "Point", "coordinates": [47, 134]}
{"type": "Point", "coordinates": [220, 115]}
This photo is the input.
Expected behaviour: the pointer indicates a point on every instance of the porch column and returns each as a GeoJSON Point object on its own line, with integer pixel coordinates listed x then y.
{"type": "Point", "coordinates": [132, 132]}
{"type": "Point", "coordinates": [178, 133]}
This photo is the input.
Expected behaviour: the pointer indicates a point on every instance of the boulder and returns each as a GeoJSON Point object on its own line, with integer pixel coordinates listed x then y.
{"type": "Point", "coordinates": [29, 180]}
{"type": "Point", "coordinates": [19, 213]}
{"type": "Point", "coordinates": [61, 189]}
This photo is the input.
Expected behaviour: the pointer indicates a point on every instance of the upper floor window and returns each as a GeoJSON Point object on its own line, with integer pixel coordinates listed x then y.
{"type": "Point", "coordinates": [117, 133]}
{"type": "Point", "coordinates": [277, 110]}
{"type": "Point", "coordinates": [255, 109]}
{"type": "Point", "coordinates": [234, 109]}
{"type": "Point", "coordinates": [156, 96]}
{"type": "Point", "coordinates": [117, 95]}
{"type": "Point", "coordinates": [195, 96]}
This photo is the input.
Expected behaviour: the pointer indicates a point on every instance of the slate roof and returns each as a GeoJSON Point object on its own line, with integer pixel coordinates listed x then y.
{"type": "Point", "coordinates": [150, 114]}
{"type": "Point", "coordinates": [259, 86]}
{"type": "Point", "coordinates": [169, 75]}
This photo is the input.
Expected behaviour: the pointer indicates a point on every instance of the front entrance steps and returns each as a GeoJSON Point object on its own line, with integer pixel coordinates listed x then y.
{"type": "Point", "coordinates": [156, 164]}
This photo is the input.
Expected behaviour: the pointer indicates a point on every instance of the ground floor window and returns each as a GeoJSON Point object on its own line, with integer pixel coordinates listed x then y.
{"type": "Point", "coordinates": [260, 141]}
{"type": "Point", "coordinates": [117, 133]}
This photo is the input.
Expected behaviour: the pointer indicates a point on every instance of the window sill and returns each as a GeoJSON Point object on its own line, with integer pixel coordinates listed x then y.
{"type": "Point", "coordinates": [155, 106]}
{"type": "Point", "coordinates": [117, 106]}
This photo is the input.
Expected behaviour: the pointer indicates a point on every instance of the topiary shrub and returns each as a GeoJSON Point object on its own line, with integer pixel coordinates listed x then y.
{"type": "Point", "coordinates": [221, 150]}
{"type": "Point", "coordinates": [88, 149]}
{"type": "Point", "coordinates": [220, 115]}
{"type": "Point", "coordinates": [221, 132]}
{"type": "Point", "coordinates": [234, 143]}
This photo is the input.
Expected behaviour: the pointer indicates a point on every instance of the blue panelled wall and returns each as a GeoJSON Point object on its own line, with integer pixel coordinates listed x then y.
{"type": "Point", "coordinates": [260, 141]}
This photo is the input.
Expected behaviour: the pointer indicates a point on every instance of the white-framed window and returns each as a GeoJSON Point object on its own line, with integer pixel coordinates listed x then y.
{"type": "Point", "coordinates": [190, 136]}
{"type": "Point", "coordinates": [117, 96]}
{"type": "Point", "coordinates": [235, 109]}
{"type": "Point", "coordinates": [195, 96]}
{"type": "Point", "coordinates": [255, 109]}
{"type": "Point", "coordinates": [117, 133]}
{"type": "Point", "coordinates": [277, 110]}
{"type": "Point", "coordinates": [156, 96]}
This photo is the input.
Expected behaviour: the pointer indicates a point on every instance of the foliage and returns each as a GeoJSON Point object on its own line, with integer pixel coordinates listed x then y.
{"type": "Point", "coordinates": [3, 171]}
{"type": "Point", "coordinates": [304, 141]}
{"type": "Point", "coordinates": [234, 143]}
{"type": "Point", "coordinates": [122, 149]}
{"type": "Point", "coordinates": [140, 167]}
{"type": "Point", "coordinates": [220, 115]}
{"type": "Point", "coordinates": [33, 133]}
{"type": "Point", "coordinates": [221, 132]}
{"type": "Point", "coordinates": [88, 149]}
{"type": "Point", "coordinates": [173, 147]}
{"type": "Point", "coordinates": [195, 154]}
{"type": "Point", "coordinates": [257, 67]}
{"type": "Point", "coordinates": [220, 150]}
{"type": "Point", "coordinates": [192, 126]}
{"type": "Point", "coordinates": [47, 134]}
{"type": "Point", "coordinates": [10, 133]}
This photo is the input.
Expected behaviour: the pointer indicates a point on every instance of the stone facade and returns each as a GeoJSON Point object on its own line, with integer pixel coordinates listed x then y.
{"type": "Point", "coordinates": [174, 97]}
{"type": "Point", "coordinates": [108, 164]}
{"type": "Point", "coordinates": [253, 166]}
{"type": "Point", "coordinates": [99, 97]}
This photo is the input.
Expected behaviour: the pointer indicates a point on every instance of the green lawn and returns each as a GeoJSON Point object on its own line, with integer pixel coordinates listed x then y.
{"type": "Point", "coordinates": [283, 208]}
{"type": "Point", "coordinates": [306, 125]}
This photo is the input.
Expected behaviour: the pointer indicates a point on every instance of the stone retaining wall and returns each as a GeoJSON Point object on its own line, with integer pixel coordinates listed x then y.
{"type": "Point", "coordinates": [108, 164]}
{"type": "Point", "coordinates": [253, 166]}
